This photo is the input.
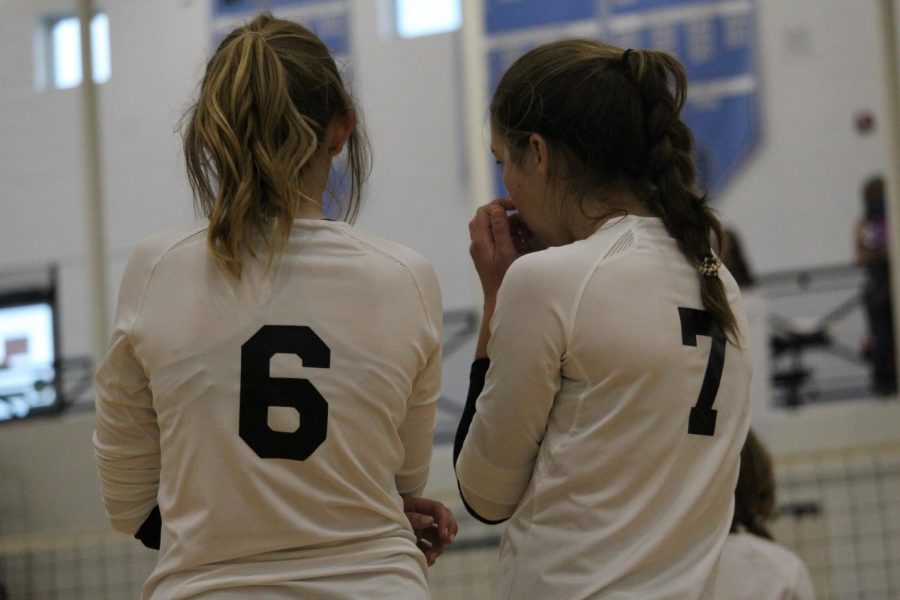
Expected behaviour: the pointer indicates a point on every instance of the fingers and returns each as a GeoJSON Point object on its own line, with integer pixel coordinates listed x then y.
{"type": "Point", "coordinates": [500, 231]}
{"type": "Point", "coordinates": [490, 233]}
{"type": "Point", "coordinates": [493, 248]}
{"type": "Point", "coordinates": [483, 212]}
{"type": "Point", "coordinates": [424, 513]}
{"type": "Point", "coordinates": [504, 203]}
{"type": "Point", "coordinates": [419, 521]}
{"type": "Point", "coordinates": [418, 505]}
{"type": "Point", "coordinates": [433, 524]}
{"type": "Point", "coordinates": [482, 240]}
{"type": "Point", "coordinates": [447, 526]}
{"type": "Point", "coordinates": [522, 236]}
{"type": "Point", "coordinates": [431, 546]}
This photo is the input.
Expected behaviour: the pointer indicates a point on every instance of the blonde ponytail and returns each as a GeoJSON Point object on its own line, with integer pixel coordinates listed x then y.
{"type": "Point", "coordinates": [270, 91]}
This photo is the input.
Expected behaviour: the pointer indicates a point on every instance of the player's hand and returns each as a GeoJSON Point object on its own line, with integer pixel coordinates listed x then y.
{"type": "Point", "coordinates": [497, 239]}
{"type": "Point", "coordinates": [433, 524]}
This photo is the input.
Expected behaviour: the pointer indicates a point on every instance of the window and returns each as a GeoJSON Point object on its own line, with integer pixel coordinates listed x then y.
{"type": "Point", "coordinates": [426, 17]}
{"type": "Point", "coordinates": [59, 50]}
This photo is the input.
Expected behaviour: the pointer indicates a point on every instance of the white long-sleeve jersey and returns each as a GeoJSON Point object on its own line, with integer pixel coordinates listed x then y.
{"type": "Point", "coordinates": [610, 425]}
{"type": "Point", "coordinates": [275, 419]}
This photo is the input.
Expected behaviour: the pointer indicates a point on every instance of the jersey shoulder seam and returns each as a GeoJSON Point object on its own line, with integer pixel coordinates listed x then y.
{"type": "Point", "coordinates": [606, 256]}
{"type": "Point", "coordinates": [172, 248]}
{"type": "Point", "coordinates": [402, 264]}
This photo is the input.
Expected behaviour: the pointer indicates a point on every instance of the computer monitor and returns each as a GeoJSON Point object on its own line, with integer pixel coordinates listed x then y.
{"type": "Point", "coordinates": [29, 382]}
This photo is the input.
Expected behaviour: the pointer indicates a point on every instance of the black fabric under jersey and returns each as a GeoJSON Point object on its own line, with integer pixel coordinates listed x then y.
{"type": "Point", "coordinates": [476, 384]}
{"type": "Point", "coordinates": [151, 530]}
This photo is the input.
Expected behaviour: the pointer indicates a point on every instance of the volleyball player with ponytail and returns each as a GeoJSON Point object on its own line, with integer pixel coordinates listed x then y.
{"type": "Point", "coordinates": [273, 376]}
{"type": "Point", "coordinates": [609, 396]}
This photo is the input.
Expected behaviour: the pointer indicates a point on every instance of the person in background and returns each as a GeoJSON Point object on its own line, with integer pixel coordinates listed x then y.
{"type": "Point", "coordinates": [753, 566]}
{"type": "Point", "coordinates": [266, 408]}
{"type": "Point", "coordinates": [609, 396]}
{"type": "Point", "coordinates": [871, 241]}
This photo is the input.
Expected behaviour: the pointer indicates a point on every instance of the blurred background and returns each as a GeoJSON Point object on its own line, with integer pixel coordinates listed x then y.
{"type": "Point", "coordinates": [793, 104]}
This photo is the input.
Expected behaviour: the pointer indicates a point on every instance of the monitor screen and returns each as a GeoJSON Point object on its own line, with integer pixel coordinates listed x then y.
{"type": "Point", "coordinates": [28, 382]}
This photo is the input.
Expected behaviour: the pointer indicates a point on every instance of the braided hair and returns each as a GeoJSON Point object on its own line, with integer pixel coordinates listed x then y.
{"type": "Point", "coordinates": [613, 117]}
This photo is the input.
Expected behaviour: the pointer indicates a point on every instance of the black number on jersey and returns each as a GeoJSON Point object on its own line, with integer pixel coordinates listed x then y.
{"type": "Point", "coordinates": [699, 322]}
{"type": "Point", "coordinates": [259, 391]}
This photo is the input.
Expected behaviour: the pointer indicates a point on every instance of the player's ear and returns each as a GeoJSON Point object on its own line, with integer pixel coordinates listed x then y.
{"type": "Point", "coordinates": [539, 154]}
{"type": "Point", "coordinates": [338, 132]}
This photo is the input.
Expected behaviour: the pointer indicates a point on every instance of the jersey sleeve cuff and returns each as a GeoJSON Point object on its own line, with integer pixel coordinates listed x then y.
{"type": "Point", "coordinates": [487, 513]}
{"type": "Point", "coordinates": [410, 486]}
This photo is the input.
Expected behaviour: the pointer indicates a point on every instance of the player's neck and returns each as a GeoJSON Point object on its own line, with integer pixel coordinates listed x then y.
{"type": "Point", "coordinates": [603, 207]}
{"type": "Point", "coordinates": [309, 214]}
{"type": "Point", "coordinates": [315, 180]}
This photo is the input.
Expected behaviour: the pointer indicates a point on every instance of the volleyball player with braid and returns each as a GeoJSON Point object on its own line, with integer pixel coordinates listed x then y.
{"type": "Point", "coordinates": [273, 376]}
{"type": "Point", "coordinates": [610, 392]}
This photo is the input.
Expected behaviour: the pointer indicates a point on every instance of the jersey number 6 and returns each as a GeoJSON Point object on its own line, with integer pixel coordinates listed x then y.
{"type": "Point", "coordinates": [699, 322]}
{"type": "Point", "coordinates": [259, 391]}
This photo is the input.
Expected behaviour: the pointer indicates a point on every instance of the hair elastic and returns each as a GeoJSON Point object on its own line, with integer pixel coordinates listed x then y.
{"type": "Point", "coordinates": [709, 265]}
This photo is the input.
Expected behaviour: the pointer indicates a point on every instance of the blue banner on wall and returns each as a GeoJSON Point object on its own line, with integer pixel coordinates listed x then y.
{"type": "Point", "coordinates": [714, 39]}
{"type": "Point", "coordinates": [238, 7]}
{"type": "Point", "coordinates": [509, 15]}
{"type": "Point", "coordinates": [329, 19]}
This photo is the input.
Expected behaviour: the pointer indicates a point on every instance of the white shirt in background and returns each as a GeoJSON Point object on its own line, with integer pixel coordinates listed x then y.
{"type": "Point", "coordinates": [754, 568]}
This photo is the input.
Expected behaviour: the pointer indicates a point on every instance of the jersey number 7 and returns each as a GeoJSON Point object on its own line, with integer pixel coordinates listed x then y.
{"type": "Point", "coordinates": [699, 322]}
{"type": "Point", "coordinates": [259, 391]}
